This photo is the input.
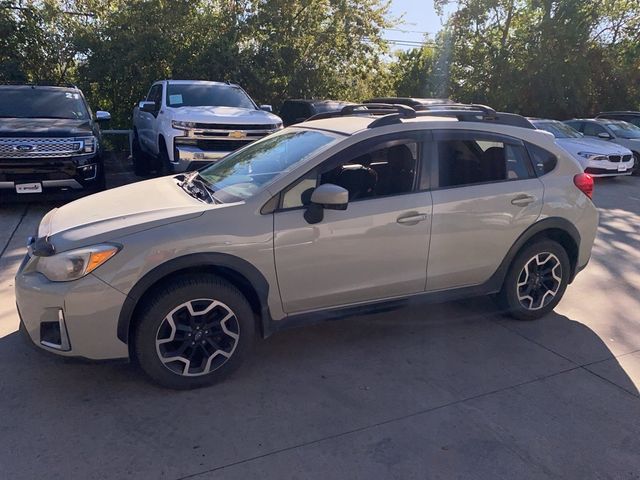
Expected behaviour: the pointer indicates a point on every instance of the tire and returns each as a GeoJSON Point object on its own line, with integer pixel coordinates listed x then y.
{"type": "Point", "coordinates": [163, 167]}
{"type": "Point", "coordinates": [140, 159]}
{"type": "Point", "coordinates": [189, 310]}
{"type": "Point", "coordinates": [636, 164]}
{"type": "Point", "coordinates": [539, 295]}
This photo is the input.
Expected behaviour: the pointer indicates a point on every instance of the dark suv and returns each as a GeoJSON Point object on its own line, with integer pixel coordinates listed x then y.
{"type": "Point", "coordinates": [627, 116]}
{"type": "Point", "coordinates": [49, 141]}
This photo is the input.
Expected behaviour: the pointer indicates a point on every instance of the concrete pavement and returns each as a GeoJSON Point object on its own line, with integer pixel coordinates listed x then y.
{"type": "Point", "coordinates": [444, 391]}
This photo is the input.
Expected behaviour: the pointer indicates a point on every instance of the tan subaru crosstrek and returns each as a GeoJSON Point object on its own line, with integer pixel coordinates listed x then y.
{"type": "Point", "coordinates": [324, 219]}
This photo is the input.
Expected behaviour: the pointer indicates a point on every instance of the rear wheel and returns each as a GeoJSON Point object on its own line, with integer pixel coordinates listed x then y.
{"type": "Point", "coordinates": [536, 281]}
{"type": "Point", "coordinates": [194, 332]}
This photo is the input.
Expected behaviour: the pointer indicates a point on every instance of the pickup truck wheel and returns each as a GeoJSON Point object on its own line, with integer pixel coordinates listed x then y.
{"type": "Point", "coordinates": [193, 332]}
{"type": "Point", "coordinates": [164, 165]}
{"type": "Point", "coordinates": [140, 159]}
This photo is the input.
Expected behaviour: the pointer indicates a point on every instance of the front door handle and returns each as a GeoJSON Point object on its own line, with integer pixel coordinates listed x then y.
{"type": "Point", "coordinates": [412, 219]}
{"type": "Point", "coordinates": [523, 200]}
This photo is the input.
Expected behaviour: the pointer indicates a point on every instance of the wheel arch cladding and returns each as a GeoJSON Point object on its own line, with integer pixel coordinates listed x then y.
{"type": "Point", "coordinates": [238, 272]}
{"type": "Point", "coordinates": [557, 229]}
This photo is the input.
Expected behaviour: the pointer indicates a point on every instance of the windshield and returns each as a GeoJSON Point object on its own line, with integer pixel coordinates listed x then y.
{"type": "Point", "coordinates": [207, 95]}
{"type": "Point", "coordinates": [624, 129]}
{"type": "Point", "coordinates": [240, 174]}
{"type": "Point", "coordinates": [41, 103]}
{"type": "Point", "coordinates": [559, 129]}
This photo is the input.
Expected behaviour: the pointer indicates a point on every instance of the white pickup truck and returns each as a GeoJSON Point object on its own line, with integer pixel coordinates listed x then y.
{"type": "Point", "coordinates": [185, 124]}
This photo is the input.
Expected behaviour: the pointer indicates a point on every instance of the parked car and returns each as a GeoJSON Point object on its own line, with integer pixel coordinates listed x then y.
{"type": "Point", "coordinates": [49, 141]}
{"type": "Point", "coordinates": [614, 131]}
{"type": "Point", "coordinates": [415, 103]}
{"type": "Point", "coordinates": [627, 116]}
{"type": "Point", "coordinates": [297, 110]}
{"type": "Point", "coordinates": [185, 124]}
{"type": "Point", "coordinates": [316, 221]}
{"type": "Point", "coordinates": [597, 157]}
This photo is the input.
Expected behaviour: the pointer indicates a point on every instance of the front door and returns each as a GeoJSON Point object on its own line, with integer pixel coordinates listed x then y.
{"type": "Point", "coordinates": [375, 249]}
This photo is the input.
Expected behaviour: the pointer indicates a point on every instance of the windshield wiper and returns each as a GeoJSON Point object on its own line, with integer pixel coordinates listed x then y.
{"type": "Point", "coordinates": [203, 186]}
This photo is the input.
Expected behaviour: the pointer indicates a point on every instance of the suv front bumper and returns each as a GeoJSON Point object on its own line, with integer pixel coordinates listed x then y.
{"type": "Point", "coordinates": [74, 319]}
{"type": "Point", "coordinates": [78, 173]}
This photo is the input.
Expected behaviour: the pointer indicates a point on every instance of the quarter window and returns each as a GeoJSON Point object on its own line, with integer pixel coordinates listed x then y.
{"type": "Point", "coordinates": [467, 159]}
{"type": "Point", "coordinates": [543, 161]}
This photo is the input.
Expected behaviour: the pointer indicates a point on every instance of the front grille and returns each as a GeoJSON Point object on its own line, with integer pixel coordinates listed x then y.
{"type": "Point", "coordinates": [627, 158]}
{"type": "Point", "coordinates": [614, 158]}
{"type": "Point", "coordinates": [39, 147]}
{"type": "Point", "coordinates": [226, 126]}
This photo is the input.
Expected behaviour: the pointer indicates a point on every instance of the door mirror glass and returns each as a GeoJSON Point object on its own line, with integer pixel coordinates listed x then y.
{"type": "Point", "coordinates": [604, 135]}
{"type": "Point", "coordinates": [266, 108]}
{"type": "Point", "coordinates": [145, 106]}
{"type": "Point", "coordinates": [102, 116]}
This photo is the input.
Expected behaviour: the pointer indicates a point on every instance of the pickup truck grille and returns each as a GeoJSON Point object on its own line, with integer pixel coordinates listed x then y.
{"type": "Point", "coordinates": [221, 145]}
{"type": "Point", "coordinates": [39, 147]}
{"type": "Point", "coordinates": [231, 127]}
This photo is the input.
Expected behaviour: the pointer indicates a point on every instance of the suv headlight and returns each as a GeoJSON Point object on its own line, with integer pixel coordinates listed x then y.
{"type": "Point", "coordinates": [593, 156]}
{"type": "Point", "coordinates": [75, 264]}
{"type": "Point", "coordinates": [88, 145]}
{"type": "Point", "coordinates": [179, 124]}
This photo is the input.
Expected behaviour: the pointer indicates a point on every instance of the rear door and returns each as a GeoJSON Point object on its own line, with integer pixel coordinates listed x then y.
{"type": "Point", "coordinates": [485, 195]}
{"type": "Point", "coordinates": [375, 249]}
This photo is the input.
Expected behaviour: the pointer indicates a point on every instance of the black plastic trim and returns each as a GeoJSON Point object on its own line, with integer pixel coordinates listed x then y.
{"type": "Point", "coordinates": [238, 265]}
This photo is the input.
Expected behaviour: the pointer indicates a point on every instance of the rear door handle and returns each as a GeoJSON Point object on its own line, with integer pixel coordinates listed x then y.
{"type": "Point", "coordinates": [412, 219]}
{"type": "Point", "coordinates": [523, 200]}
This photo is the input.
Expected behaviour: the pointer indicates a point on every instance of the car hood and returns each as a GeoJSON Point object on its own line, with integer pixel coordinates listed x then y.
{"type": "Point", "coordinates": [44, 127]}
{"type": "Point", "coordinates": [591, 145]}
{"type": "Point", "coordinates": [118, 212]}
{"type": "Point", "coordinates": [232, 115]}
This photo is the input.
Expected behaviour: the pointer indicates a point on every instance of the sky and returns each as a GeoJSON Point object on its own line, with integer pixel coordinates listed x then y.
{"type": "Point", "coordinates": [419, 17]}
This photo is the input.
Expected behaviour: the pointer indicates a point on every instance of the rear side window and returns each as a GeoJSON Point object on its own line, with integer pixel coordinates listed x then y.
{"type": "Point", "coordinates": [473, 158]}
{"type": "Point", "coordinates": [543, 161]}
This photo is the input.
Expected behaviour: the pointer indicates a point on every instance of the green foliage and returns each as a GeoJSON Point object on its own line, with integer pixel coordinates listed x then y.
{"type": "Point", "coordinates": [557, 58]}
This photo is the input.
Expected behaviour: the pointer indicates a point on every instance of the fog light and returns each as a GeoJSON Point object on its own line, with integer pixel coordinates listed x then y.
{"type": "Point", "coordinates": [88, 172]}
{"type": "Point", "coordinates": [54, 334]}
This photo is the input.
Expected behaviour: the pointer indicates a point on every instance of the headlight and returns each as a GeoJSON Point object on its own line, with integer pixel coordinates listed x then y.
{"type": "Point", "coordinates": [182, 125]}
{"type": "Point", "coordinates": [88, 144]}
{"type": "Point", "coordinates": [75, 264]}
{"type": "Point", "coordinates": [593, 156]}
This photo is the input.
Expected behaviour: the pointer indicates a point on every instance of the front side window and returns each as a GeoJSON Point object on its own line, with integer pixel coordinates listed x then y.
{"type": "Point", "coordinates": [388, 169]}
{"type": "Point", "coordinates": [207, 95]}
{"type": "Point", "coordinates": [42, 103]}
{"type": "Point", "coordinates": [468, 158]}
{"type": "Point", "coordinates": [242, 173]}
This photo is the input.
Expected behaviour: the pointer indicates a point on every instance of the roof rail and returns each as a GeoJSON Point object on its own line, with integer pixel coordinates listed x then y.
{"type": "Point", "coordinates": [390, 112]}
{"type": "Point", "coordinates": [18, 83]}
{"type": "Point", "coordinates": [479, 113]}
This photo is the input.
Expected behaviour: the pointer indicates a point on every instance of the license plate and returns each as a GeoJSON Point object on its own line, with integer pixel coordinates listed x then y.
{"type": "Point", "coordinates": [29, 188]}
{"type": "Point", "coordinates": [622, 168]}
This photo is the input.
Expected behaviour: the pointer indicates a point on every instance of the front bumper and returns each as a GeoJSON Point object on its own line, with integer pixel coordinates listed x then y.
{"type": "Point", "coordinates": [54, 175]}
{"type": "Point", "coordinates": [187, 157]}
{"type": "Point", "coordinates": [74, 319]}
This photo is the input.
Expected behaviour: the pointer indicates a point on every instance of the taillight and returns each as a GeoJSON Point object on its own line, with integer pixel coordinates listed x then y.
{"type": "Point", "coordinates": [584, 182]}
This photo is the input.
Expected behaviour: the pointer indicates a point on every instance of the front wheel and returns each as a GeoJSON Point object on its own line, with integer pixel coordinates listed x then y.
{"type": "Point", "coordinates": [194, 332]}
{"type": "Point", "coordinates": [636, 164]}
{"type": "Point", "coordinates": [536, 281]}
{"type": "Point", "coordinates": [139, 158]}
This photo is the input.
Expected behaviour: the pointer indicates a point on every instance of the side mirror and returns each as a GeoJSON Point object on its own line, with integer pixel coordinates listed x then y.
{"type": "Point", "coordinates": [266, 108]}
{"type": "Point", "coordinates": [329, 196]}
{"type": "Point", "coordinates": [605, 136]}
{"type": "Point", "coordinates": [102, 116]}
{"type": "Point", "coordinates": [149, 107]}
